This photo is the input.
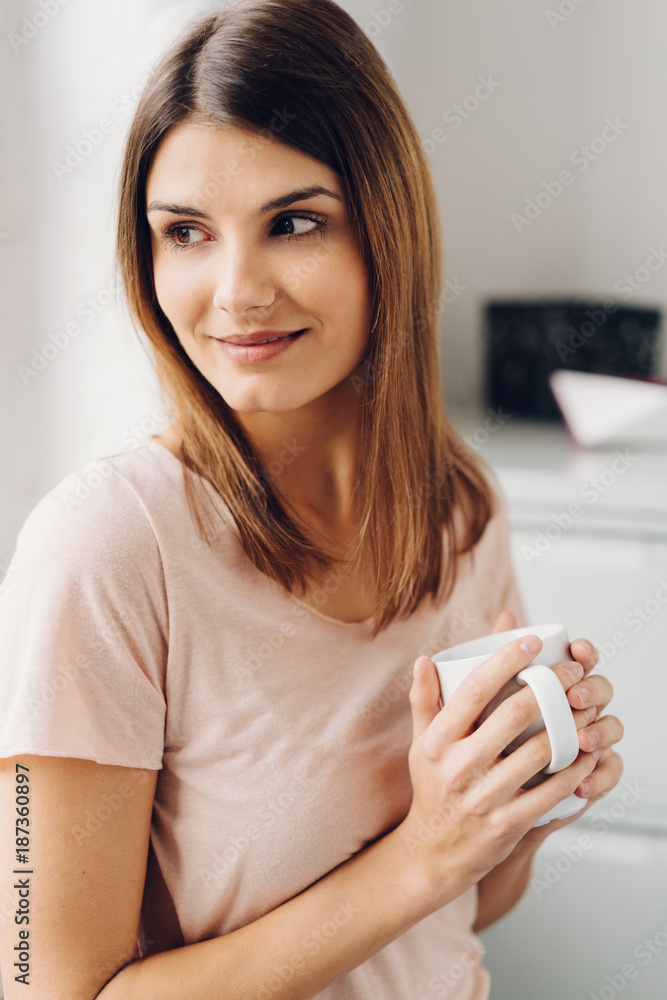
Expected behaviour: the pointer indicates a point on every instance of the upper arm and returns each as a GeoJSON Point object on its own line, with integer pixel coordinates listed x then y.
{"type": "Point", "coordinates": [89, 828]}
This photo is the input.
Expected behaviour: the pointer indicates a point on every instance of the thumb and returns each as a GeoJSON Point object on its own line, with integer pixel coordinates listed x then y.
{"type": "Point", "coordinates": [505, 621]}
{"type": "Point", "coordinates": [424, 695]}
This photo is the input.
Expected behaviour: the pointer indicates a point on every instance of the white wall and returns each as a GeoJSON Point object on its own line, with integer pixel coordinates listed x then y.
{"type": "Point", "coordinates": [59, 80]}
{"type": "Point", "coordinates": [556, 87]}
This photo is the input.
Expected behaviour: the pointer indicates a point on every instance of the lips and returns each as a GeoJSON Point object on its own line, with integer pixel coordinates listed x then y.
{"type": "Point", "coordinates": [260, 337]}
{"type": "Point", "coordinates": [249, 353]}
{"type": "Point", "coordinates": [273, 339]}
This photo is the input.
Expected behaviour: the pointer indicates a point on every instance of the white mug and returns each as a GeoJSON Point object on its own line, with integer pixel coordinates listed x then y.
{"type": "Point", "coordinates": [455, 663]}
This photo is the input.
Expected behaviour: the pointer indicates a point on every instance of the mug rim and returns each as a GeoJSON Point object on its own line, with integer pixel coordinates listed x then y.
{"type": "Point", "coordinates": [455, 653]}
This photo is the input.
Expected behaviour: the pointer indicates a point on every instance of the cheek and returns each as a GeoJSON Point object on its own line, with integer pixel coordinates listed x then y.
{"type": "Point", "coordinates": [178, 295]}
{"type": "Point", "coordinates": [340, 291]}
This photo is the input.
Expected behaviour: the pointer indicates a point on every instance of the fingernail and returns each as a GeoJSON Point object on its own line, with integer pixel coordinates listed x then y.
{"type": "Point", "coordinates": [596, 754]}
{"type": "Point", "coordinates": [584, 694]}
{"type": "Point", "coordinates": [590, 713]}
{"type": "Point", "coordinates": [575, 670]}
{"type": "Point", "coordinates": [530, 644]}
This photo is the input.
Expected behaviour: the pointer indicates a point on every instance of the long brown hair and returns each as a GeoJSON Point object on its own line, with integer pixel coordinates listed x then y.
{"type": "Point", "coordinates": [302, 72]}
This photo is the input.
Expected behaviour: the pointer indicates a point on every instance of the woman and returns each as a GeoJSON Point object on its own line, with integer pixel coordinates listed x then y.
{"type": "Point", "coordinates": [209, 639]}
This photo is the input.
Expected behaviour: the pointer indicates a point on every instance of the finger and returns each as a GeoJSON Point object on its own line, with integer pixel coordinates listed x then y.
{"type": "Point", "coordinates": [534, 802]}
{"type": "Point", "coordinates": [509, 774]}
{"type": "Point", "coordinates": [605, 776]}
{"type": "Point", "coordinates": [505, 621]}
{"type": "Point", "coordinates": [594, 690]}
{"type": "Point", "coordinates": [513, 715]}
{"type": "Point", "coordinates": [555, 824]}
{"type": "Point", "coordinates": [424, 695]}
{"type": "Point", "coordinates": [585, 653]}
{"type": "Point", "coordinates": [473, 694]}
{"type": "Point", "coordinates": [603, 734]}
{"type": "Point", "coordinates": [533, 756]}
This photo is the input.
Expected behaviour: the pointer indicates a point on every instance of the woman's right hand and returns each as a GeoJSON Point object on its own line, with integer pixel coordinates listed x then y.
{"type": "Point", "coordinates": [468, 810]}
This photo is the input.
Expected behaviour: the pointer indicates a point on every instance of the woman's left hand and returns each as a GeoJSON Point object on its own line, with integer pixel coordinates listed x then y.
{"type": "Point", "coordinates": [598, 733]}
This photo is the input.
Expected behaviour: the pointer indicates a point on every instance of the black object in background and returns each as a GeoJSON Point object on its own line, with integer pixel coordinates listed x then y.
{"type": "Point", "coordinates": [526, 340]}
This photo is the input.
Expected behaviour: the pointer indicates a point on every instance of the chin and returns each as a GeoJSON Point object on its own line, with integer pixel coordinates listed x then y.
{"type": "Point", "coordinates": [264, 399]}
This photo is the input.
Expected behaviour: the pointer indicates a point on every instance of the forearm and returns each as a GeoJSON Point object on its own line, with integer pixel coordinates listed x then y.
{"type": "Point", "coordinates": [302, 946]}
{"type": "Point", "coordinates": [501, 888]}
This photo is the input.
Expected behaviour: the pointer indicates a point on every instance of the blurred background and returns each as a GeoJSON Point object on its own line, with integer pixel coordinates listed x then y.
{"type": "Point", "coordinates": [544, 125]}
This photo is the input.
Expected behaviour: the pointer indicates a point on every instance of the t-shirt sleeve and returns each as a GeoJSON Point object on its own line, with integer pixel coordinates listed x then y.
{"type": "Point", "coordinates": [84, 630]}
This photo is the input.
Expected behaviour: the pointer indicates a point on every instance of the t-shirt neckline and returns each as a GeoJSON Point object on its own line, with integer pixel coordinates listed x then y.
{"type": "Point", "coordinates": [361, 626]}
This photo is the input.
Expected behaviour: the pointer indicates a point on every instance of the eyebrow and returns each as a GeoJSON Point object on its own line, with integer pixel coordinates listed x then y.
{"type": "Point", "coordinates": [282, 202]}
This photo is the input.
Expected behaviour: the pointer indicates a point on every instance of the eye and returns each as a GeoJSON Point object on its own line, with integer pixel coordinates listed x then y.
{"type": "Point", "coordinates": [306, 225]}
{"type": "Point", "coordinates": [294, 226]}
{"type": "Point", "coordinates": [176, 235]}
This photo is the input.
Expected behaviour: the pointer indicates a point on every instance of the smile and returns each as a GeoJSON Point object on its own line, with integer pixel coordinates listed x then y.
{"type": "Point", "coordinates": [265, 350]}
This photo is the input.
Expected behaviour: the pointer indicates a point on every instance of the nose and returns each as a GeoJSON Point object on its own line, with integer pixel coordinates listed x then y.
{"type": "Point", "coordinates": [244, 281]}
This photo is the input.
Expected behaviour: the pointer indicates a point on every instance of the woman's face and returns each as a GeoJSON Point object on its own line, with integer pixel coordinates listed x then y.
{"type": "Point", "coordinates": [228, 263]}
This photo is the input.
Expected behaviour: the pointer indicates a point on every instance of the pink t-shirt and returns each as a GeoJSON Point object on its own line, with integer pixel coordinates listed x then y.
{"type": "Point", "coordinates": [280, 734]}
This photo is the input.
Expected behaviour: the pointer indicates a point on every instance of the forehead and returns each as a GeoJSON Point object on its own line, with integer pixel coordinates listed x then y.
{"type": "Point", "coordinates": [209, 160]}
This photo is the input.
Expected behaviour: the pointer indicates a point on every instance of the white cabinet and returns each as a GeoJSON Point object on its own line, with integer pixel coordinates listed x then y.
{"type": "Point", "coordinates": [612, 591]}
{"type": "Point", "coordinates": [593, 922]}
{"type": "Point", "coordinates": [589, 544]}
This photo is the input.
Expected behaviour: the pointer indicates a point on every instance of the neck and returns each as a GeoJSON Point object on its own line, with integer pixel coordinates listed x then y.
{"type": "Point", "coordinates": [310, 455]}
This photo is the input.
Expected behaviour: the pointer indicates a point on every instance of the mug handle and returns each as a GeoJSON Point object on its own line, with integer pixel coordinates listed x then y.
{"type": "Point", "coordinates": [556, 713]}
